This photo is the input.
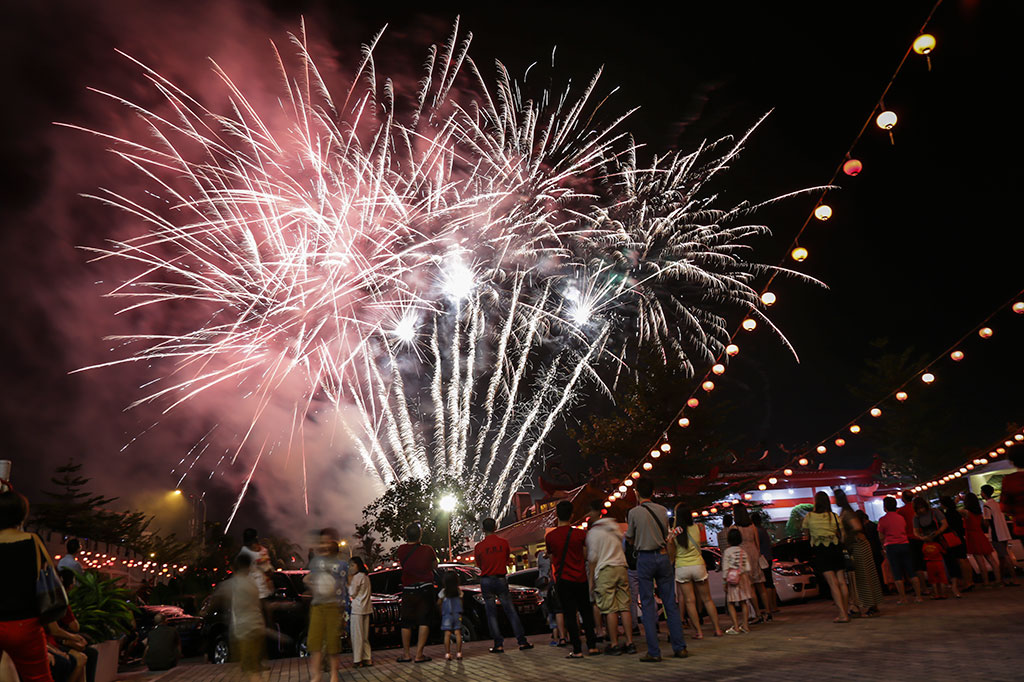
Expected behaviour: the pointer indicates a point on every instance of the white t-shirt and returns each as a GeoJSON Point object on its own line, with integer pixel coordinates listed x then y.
{"type": "Point", "coordinates": [359, 593]}
{"type": "Point", "coordinates": [992, 512]}
{"type": "Point", "coordinates": [69, 563]}
{"type": "Point", "coordinates": [604, 545]}
{"type": "Point", "coordinates": [259, 569]}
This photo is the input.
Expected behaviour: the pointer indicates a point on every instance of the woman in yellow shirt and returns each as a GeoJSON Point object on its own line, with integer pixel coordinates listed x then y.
{"type": "Point", "coordinates": [826, 544]}
{"type": "Point", "coordinates": [691, 571]}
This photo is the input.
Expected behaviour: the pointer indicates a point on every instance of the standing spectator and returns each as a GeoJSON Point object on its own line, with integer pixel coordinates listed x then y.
{"type": "Point", "coordinates": [764, 542]}
{"type": "Point", "coordinates": [691, 571]}
{"type": "Point", "coordinates": [648, 531]}
{"type": "Point", "coordinates": [870, 530]}
{"type": "Point", "coordinates": [929, 527]}
{"type": "Point", "coordinates": [567, 548]}
{"type": "Point", "coordinates": [328, 582]}
{"type": "Point", "coordinates": [865, 578]}
{"type": "Point", "coordinates": [907, 512]}
{"type": "Point", "coordinates": [736, 574]}
{"type": "Point", "coordinates": [892, 530]}
{"type": "Point", "coordinates": [247, 627]}
{"type": "Point", "coordinates": [21, 633]}
{"type": "Point", "coordinates": [827, 545]}
{"type": "Point", "coordinates": [362, 608]}
{"type": "Point", "coordinates": [606, 562]}
{"type": "Point", "coordinates": [450, 601]}
{"type": "Point", "coordinates": [259, 560]}
{"type": "Point", "coordinates": [999, 531]}
{"type": "Point", "coordinates": [69, 562]}
{"type": "Point", "coordinates": [492, 558]}
{"type": "Point", "coordinates": [634, 584]}
{"type": "Point", "coordinates": [551, 607]}
{"type": "Point", "coordinates": [978, 544]}
{"type": "Point", "coordinates": [418, 563]}
{"type": "Point", "coordinates": [722, 538]}
{"type": "Point", "coordinates": [1012, 497]}
{"type": "Point", "coordinates": [163, 645]}
{"type": "Point", "coordinates": [752, 546]}
{"type": "Point", "coordinates": [955, 545]}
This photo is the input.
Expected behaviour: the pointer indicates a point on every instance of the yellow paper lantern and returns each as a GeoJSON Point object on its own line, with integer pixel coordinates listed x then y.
{"type": "Point", "coordinates": [823, 212]}
{"type": "Point", "coordinates": [957, 355]}
{"type": "Point", "coordinates": [708, 386]}
{"type": "Point", "coordinates": [924, 43]}
{"type": "Point", "coordinates": [748, 496]}
{"type": "Point", "coordinates": [749, 324]}
{"type": "Point", "coordinates": [705, 513]}
{"type": "Point", "coordinates": [666, 447]}
{"type": "Point", "coordinates": [628, 482]}
{"type": "Point", "coordinates": [692, 402]}
{"type": "Point", "coordinates": [875, 412]}
{"type": "Point", "coordinates": [799, 254]}
{"type": "Point", "coordinates": [886, 120]}
{"type": "Point", "coordinates": [713, 510]}
{"type": "Point", "coordinates": [901, 396]}
{"type": "Point", "coordinates": [718, 369]}
{"type": "Point", "coordinates": [985, 332]}
{"type": "Point", "coordinates": [655, 454]}
{"type": "Point", "coordinates": [635, 474]}
{"type": "Point", "coordinates": [732, 350]}
{"type": "Point", "coordinates": [822, 449]}
{"type": "Point", "coordinates": [647, 466]}
{"type": "Point", "coordinates": [787, 472]}
{"type": "Point", "coordinates": [840, 442]}
{"type": "Point", "coordinates": [854, 429]}
{"type": "Point", "coordinates": [622, 488]}
{"type": "Point", "coordinates": [684, 422]}
{"type": "Point", "coordinates": [694, 514]}
{"type": "Point", "coordinates": [1018, 437]}
{"type": "Point", "coordinates": [1001, 451]}
{"type": "Point", "coordinates": [773, 480]}
{"type": "Point", "coordinates": [928, 377]}
{"type": "Point", "coordinates": [853, 167]}
{"type": "Point", "coordinates": [1018, 307]}
{"type": "Point", "coordinates": [762, 486]}
{"type": "Point", "coordinates": [607, 503]}
{"type": "Point", "coordinates": [803, 461]}
{"type": "Point", "coordinates": [969, 466]}
{"type": "Point", "coordinates": [768, 298]}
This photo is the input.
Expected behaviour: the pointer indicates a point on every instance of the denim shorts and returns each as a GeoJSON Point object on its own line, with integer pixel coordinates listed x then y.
{"type": "Point", "coordinates": [451, 622]}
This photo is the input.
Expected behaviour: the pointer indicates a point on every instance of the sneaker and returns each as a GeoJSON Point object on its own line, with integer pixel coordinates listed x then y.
{"type": "Point", "coordinates": [612, 651]}
{"type": "Point", "coordinates": [629, 648]}
{"type": "Point", "coordinates": [525, 647]}
{"type": "Point", "coordinates": [682, 653]}
{"type": "Point", "coordinates": [647, 658]}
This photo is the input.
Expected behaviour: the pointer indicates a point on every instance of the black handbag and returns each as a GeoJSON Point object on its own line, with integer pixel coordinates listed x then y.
{"type": "Point", "coordinates": [51, 599]}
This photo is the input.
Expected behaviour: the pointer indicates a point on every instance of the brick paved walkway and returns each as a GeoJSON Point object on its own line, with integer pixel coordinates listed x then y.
{"type": "Point", "coordinates": [978, 637]}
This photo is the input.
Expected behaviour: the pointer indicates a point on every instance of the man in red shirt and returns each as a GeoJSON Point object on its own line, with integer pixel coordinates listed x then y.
{"type": "Point", "coordinates": [916, 553]}
{"type": "Point", "coordinates": [492, 557]}
{"type": "Point", "coordinates": [567, 548]}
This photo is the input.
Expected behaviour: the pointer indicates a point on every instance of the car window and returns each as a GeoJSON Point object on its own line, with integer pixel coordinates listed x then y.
{"type": "Point", "coordinates": [523, 578]}
{"type": "Point", "coordinates": [386, 582]}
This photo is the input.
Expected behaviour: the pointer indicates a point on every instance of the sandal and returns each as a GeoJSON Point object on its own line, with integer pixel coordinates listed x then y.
{"type": "Point", "coordinates": [423, 660]}
{"type": "Point", "coordinates": [458, 656]}
{"type": "Point", "coordinates": [699, 635]}
{"type": "Point", "coordinates": [841, 620]}
{"type": "Point", "coordinates": [447, 657]}
{"type": "Point", "coordinates": [575, 655]}
{"type": "Point", "coordinates": [403, 660]}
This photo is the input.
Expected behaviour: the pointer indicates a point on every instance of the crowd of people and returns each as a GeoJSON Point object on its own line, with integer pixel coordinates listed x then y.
{"type": "Point", "coordinates": [591, 576]}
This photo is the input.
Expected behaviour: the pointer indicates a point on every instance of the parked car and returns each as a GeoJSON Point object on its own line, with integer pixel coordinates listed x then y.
{"type": "Point", "coordinates": [794, 578]}
{"type": "Point", "coordinates": [288, 614]}
{"type": "Point", "coordinates": [386, 588]}
{"type": "Point", "coordinates": [190, 629]}
{"type": "Point", "coordinates": [794, 562]}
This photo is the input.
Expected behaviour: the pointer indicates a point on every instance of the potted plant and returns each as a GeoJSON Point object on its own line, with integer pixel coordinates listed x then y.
{"type": "Point", "coordinates": [105, 614]}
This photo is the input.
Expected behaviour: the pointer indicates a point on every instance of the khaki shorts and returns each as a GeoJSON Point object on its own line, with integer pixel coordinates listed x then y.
{"type": "Point", "coordinates": [324, 628]}
{"type": "Point", "coordinates": [250, 651]}
{"type": "Point", "coordinates": [611, 588]}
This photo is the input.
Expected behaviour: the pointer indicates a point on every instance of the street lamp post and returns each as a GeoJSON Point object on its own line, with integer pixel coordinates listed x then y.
{"type": "Point", "coordinates": [447, 504]}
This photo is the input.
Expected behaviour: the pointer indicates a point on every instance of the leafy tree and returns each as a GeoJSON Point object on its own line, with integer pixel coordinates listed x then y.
{"type": "Point", "coordinates": [416, 500]}
{"type": "Point", "coordinates": [367, 545]}
{"type": "Point", "coordinates": [72, 509]}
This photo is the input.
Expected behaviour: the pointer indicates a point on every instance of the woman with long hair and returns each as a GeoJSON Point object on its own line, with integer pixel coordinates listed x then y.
{"type": "Point", "coordinates": [691, 571]}
{"type": "Point", "coordinates": [978, 544]}
{"type": "Point", "coordinates": [752, 546]}
{"type": "Point", "coordinates": [866, 590]}
{"type": "Point", "coordinates": [827, 545]}
{"type": "Point", "coordinates": [960, 572]}
{"type": "Point", "coordinates": [362, 608]}
{"type": "Point", "coordinates": [21, 634]}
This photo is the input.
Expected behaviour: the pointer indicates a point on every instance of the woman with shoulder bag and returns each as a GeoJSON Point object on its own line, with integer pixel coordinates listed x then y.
{"type": "Point", "coordinates": [960, 571]}
{"type": "Point", "coordinates": [865, 588]}
{"type": "Point", "coordinates": [827, 545]}
{"type": "Point", "coordinates": [21, 630]}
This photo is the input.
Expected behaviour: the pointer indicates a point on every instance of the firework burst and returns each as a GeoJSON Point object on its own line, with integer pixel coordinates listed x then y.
{"type": "Point", "coordinates": [447, 270]}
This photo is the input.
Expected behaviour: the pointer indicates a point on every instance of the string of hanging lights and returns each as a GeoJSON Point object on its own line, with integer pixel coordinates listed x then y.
{"type": "Point", "coordinates": [885, 119]}
{"type": "Point", "coordinates": [998, 449]}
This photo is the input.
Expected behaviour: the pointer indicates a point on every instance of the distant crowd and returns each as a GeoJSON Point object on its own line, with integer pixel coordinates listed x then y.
{"type": "Point", "coordinates": [592, 576]}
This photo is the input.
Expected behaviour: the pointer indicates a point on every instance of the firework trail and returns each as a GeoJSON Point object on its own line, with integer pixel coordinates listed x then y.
{"type": "Point", "coordinates": [448, 273]}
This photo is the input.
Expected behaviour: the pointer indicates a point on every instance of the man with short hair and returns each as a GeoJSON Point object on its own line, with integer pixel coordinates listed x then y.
{"type": "Point", "coordinates": [648, 531]}
{"type": "Point", "coordinates": [916, 545]}
{"type": "Point", "coordinates": [259, 561]}
{"type": "Point", "coordinates": [567, 549]}
{"type": "Point", "coordinates": [1000, 533]}
{"type": "Point", "coordinates": [491, 556]}
{"type": "Point", "coordinates": [68, 562]}
{"type": "Point", "coordinates": [418, 563]}
{"type": "Point", "coordinates": [163, 645]}
{"type": "Point", "coordinates": [608, 574]}
{"type": "Point", "coordinates": [327, 580]}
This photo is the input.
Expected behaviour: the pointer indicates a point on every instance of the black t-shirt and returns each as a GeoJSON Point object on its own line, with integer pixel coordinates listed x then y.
{"type": "Point", "coordinates": [18, 587]}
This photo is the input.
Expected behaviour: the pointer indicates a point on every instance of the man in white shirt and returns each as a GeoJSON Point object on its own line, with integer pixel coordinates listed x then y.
{"type": "Point", "coordinates": [1000, 532]}
{"type": "Point", "coordinates": [606, 561]}
{"type": "Point", "coordinates": [68, 562]}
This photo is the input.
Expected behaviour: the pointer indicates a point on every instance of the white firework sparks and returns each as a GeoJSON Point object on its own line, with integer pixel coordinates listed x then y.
{"type": "Point", "coordinates": [453, 273]}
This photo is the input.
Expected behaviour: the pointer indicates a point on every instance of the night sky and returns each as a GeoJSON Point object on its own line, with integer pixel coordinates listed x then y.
{"type": "Point", "coordinates": [923, 244]}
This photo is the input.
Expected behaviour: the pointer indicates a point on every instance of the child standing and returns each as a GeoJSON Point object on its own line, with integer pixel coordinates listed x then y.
{"type": "Point", "coordinates": [936, 568]}
{"type": "Point", "coordinates": [362, 607]}
{"type": "Point", "coordinates": [450, 599]}
{"type": "Point", "coordinates": [736, 572]}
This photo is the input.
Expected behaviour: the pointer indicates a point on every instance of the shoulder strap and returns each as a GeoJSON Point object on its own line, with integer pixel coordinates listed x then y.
{"type": "Point", "coordinates": [42, 555]}
{"type": "Point", "coordinates": [565, 551]}
{"type": "Point", "coordinates": [661, 526]}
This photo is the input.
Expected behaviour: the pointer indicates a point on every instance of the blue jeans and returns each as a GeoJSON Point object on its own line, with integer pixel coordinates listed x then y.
{"type": "Point", "coordinates": [651, 568]}
{"type": "Point", "coordinates": [492, 586]}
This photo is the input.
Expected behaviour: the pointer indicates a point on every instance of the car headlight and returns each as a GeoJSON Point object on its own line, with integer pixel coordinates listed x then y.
{"type": "Point", "coordinates": [781, 570]}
